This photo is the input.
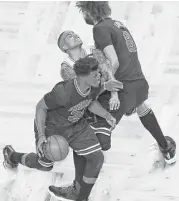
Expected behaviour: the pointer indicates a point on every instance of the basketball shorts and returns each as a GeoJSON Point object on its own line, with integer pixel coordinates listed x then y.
{"type": "Point", "coordinates": [80, 136]}
{"type": "Point", "coordinates": [84, 141]}
{"type": "Point", "coordinates": [132, 96]}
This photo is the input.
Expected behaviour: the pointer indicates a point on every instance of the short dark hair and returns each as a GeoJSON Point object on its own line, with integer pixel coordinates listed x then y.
{"type": "Point", "coordinates": [85, 66]}
{"type": "Point", "coordinates": [97, 9]}
{"type": "Point", "coordinates": [58, 42]}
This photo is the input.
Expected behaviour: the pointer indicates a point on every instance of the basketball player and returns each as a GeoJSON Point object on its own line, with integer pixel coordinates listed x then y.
{"type": "Point", "coordinates": [61, 112]}
{"type": "Point", "coordinates": [118, 46]}
{"type": "Point", "coordinates": [71, 44]}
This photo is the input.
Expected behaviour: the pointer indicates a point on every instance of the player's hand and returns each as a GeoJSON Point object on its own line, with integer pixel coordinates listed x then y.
{"type": "Point", "coordinates": [114, 102]}
{"type": "Point", "coordinates": [41, 141]}
{"type": "Point", "coordinates": [111, 121]}
{"type": "Point", "coordinates": [113, 85]}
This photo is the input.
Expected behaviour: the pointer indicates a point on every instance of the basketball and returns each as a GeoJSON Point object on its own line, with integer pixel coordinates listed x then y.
{"type": "Point", "coordinates": [56, 148]}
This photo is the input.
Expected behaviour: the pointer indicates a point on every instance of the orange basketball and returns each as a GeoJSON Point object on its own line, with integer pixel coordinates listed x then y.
{"type": "Point", "coordinates": [56, 148]}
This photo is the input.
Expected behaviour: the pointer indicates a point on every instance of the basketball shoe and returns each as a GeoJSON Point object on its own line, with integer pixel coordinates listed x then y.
{"type": "Point", "coordinates": [169, 153]}
{"type": "Point", "coordinates": [7, 153]}
{"type": "Point", "coordinates": [65, 193]}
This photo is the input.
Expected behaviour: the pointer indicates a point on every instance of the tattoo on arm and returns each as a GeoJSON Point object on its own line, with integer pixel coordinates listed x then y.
{"type": "Point", "coordinates": [105, 68]}
{"type": "Point", "coordinates": [67, 72]}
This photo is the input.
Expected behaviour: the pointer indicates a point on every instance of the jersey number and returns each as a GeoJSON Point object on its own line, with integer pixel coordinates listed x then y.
{"type": "Point", "coordinates": [129, 42]}
{"type": "Point", "coordinates": [76, 115]}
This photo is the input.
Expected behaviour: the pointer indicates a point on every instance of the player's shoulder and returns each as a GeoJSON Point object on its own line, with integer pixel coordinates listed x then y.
{"type": "Point", "coordinates": [67, 61]}
{"type": "Point", "coordinates": [108, 24]}
{"type": "Point", "coordinates": [63, 87]}
{"type": "Point", "coordinates": [104, 23]}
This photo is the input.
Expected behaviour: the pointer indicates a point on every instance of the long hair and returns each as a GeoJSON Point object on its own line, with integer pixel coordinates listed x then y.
{"type": "Point", "coordinates": [97, 9]}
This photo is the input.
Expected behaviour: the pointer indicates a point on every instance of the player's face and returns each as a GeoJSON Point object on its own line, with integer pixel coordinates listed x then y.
{"type": "Point", "coordinates": [93, 79]}
{"type": "Point", "coordinates": [88, 19]}
{"type": "Point", "coordinates": [73, 40]}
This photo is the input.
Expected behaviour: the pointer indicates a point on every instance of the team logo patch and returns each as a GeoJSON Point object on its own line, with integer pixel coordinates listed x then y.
{"type": "Point", "coordinates": [78, 110]}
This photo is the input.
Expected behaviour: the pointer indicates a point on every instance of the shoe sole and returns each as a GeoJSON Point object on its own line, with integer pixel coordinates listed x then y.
{"type": "Point", "coordinates": [58, 198]}
{"type": "Point", "coordinates": [172, 160]}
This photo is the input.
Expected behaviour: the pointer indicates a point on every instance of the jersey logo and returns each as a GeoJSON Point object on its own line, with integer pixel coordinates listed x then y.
{"type": "Point", "coordinates": [78, 110]}
{"type": "Point", "coordinates": [129, 42]}
{"type": "Point", "coordinates": [118, 24]}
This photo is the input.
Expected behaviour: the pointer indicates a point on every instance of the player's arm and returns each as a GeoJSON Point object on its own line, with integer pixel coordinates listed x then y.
{"type": "Point", "coordinates": [102, 37]}
{"type": "Point", "coordinates": [51, 100]}
{"type": "Point", "coordinates": [67, 72]}
{"type": "Point", "coordinates": [40, 117]}
{"type": "Point", "coordinates": [96, 108]}
{"type": "Point", "coordinates": [110, 53]}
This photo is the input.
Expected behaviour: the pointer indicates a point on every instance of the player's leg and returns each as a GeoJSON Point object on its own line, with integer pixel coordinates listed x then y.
{"type": "Point", "coordinates": [93, 166]}
{"type": "Point", "coordinates": [12, 158]}
{"type": "Point", "coordinates": [101, 128]}
{"type": "Point", "coordinates": [135, 98]}
{"type": "Point", "coordinates": [79, 164]}
{"type": "Point", "coordinates": [86, 145]}
{"type": "Point", "coordinates": [70, 191]}
{"type": "Point", "coordinates": [166, 144]}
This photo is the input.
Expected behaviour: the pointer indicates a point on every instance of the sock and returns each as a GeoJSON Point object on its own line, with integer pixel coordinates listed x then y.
{"type": "Point", "coordinates": [150, 122]}
{"type": "Point", "coordinates": [16, 157]}
{"type": "Point", "coordinates": [84, 191]}
{"type": "Point", "coordinates": [80, 164]}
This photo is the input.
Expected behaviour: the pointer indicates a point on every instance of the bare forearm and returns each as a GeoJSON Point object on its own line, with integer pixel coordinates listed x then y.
{"type": "Point", "coordinates": [114, 67]}
{"type": "Point", "coordinates": [96, 108]}
{"type": "Point", "coordinates": [40, 118]}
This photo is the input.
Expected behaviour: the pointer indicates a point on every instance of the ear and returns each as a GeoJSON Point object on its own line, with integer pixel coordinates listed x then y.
{"type": "Point", "coordinates": [65, 48]}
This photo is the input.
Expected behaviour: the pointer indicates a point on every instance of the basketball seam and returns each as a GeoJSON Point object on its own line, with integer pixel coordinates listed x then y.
{"type": "Point", "coordinates": [50, 149]}
{"type": "Point", "coordinates": [58, 146]}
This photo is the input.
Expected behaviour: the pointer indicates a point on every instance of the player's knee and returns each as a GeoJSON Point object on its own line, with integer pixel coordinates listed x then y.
{"type": "Point", "coordinates": [106, 147]}
{"type": "Point", "coordinates": [104, 140]}
{"type": "Point", "coordinates": [143, 109]}
{"type": "Point", "coordinates": [31, 161]}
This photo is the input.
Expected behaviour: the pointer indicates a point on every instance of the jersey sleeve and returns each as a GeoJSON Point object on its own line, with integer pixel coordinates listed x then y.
{"type": "Point", "coordinates": [56, 97]}
{"type": "Point", "coordinates": [102, 37]}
